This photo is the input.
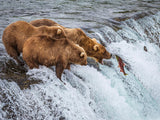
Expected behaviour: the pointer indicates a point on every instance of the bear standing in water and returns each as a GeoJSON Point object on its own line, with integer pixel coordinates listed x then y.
{"type": "Point", "coordinates": [44, 50]}
{"type": "Point", "coordinates": [16, 34]}
{"type": "Point", "coordinates": [91, 46]}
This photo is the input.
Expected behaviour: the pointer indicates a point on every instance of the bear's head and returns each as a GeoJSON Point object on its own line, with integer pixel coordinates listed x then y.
{"type": "Point", "coordinates": [55, 32]}
{"type": "Point", "coordinates": [92, 47]}
{"type": "Point", "coordinates": [98, 51]}
{"type": "Point", "coordinates": [77, 55]}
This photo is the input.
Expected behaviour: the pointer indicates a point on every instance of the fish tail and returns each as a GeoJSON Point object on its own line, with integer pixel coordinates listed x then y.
{"type": "Point", "coordinates": [125, 74]}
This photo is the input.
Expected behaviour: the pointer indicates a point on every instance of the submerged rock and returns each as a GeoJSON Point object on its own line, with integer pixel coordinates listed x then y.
{"type": "Point", "coordinates": [145, 48]}
{"type": "Point", "coordinates": [13, 72]}
{"type": "Point", "coordinates": [92, 62]}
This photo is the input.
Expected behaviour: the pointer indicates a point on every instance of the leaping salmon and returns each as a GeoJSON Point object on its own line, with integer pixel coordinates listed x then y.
{"type": "Point", "coordinates": [121, 64]}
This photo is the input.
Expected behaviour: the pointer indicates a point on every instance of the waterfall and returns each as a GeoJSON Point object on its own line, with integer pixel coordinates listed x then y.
{"type": "Point", "coordinates": [91, 94]}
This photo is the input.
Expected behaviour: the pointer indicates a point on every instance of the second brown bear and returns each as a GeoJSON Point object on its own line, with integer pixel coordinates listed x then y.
{"type": "Point", "coordinates": [44, 50]}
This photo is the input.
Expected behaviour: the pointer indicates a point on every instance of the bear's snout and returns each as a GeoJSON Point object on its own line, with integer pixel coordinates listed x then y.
{"type": "Point", "coordinates": [108, 55]}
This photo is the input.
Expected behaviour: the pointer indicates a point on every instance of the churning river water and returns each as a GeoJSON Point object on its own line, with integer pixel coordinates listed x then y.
{"type": "Point", "coordinates": [128, 28]}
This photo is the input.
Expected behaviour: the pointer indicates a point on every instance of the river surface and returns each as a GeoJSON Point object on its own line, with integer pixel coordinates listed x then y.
{"type": "Point", "coordinates": [128, 28]}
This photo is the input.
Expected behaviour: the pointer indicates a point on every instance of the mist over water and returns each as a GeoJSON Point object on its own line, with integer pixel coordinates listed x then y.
{"type": "Point", "coordinates": [130, 29]}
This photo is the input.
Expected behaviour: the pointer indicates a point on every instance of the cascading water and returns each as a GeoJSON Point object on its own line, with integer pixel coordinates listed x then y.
{"type": "Point", "coordinates": [141, 87]}
{"type": "Point", "coordinates": [91, 93]}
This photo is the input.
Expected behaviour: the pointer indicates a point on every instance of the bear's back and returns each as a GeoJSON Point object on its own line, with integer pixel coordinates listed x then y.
{"type": "Point", "coordinates": [45, 42]}
{"type": "Point", "coordinates": [18, 28]}
{"type": "Point", "coordinates": [41, 22]}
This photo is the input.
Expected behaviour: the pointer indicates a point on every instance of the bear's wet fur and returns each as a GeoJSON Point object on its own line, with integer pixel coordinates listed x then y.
{"type": "Point", "coordinates": [44, 50]}
{"type": "Point", "coordinates": [16, 34]}
{"type": "Point", "coordinates": [91, 46]}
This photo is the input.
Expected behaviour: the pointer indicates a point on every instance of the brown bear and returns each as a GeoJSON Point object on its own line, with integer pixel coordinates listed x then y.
{"type": "Point", "coordinates": [91, 46]}
{"type": "Point", "coordinates": [46, 22]}
{"type": "Point", "coordinates": [16, 33]}
{"type": "Point", "coordinates": [44, 50]}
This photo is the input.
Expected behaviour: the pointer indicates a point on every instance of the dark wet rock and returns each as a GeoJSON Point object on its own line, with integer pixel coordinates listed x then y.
{"type": "Point", "coordinates": [135, 16]}
{"type": "Point", "coordinates": [10, 66]}
{"type": "Point", "coordinates": [13, 72]}
{"type": "Point", "coordinates": [143, 14]}
{"type": "Point", "coordinates": [121, 18]}
{"type": "Point", "coordinates": [114, 24]}
{"type": "Point", "coordinates": [62, 118]}
{"type": "Point", "coordinates": [107, 63]}
{"type": "Point", "coordinates": [116, 28]}
{"type": "Point", "coordinates": [92, 62]}
{"type": "Point", "coordinates": [145, 48]}
{"type": "Point", "coordinates": [8, 107]}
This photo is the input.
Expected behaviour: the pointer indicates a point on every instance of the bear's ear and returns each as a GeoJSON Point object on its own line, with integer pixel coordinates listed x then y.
{"type": "Point", "coordinates": [82, 54]}
{"type": "Point", "coordinates": [94, 39]}
{"type": "Point", "coordinates": [77, 45]}
{"type": "Point", "coordinates": [59, 31]}
{"type": "Point", "coordinates": [95, 47]}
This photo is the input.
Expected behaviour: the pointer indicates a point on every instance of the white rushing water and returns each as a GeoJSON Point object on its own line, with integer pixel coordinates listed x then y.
{"type": "Point", "coordinates": [91, 94]}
